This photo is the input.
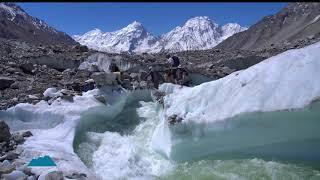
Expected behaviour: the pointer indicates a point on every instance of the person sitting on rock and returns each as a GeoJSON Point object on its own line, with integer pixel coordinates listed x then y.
{"type": "Point", "coordinates": [156, 77]}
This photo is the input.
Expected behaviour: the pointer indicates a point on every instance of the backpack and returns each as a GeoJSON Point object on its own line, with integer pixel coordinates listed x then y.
{"type": "Point", "coordinates": [176, 61]}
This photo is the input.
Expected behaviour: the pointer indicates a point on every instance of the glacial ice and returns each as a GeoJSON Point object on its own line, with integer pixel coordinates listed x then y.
{"type": "Point", "coordinates": [282, 82]}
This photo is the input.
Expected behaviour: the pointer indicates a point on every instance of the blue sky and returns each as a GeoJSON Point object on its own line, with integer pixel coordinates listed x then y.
{"type": "Point", "coordinates": [157, 18]}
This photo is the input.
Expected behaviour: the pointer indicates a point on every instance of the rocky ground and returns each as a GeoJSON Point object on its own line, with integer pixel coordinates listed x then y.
{"type": "Point", "coordinates": [27, 70]}
{"type": "Point", "coordinates": [217, 63]}
{"type": "Point", "coordinates": [22, 80]}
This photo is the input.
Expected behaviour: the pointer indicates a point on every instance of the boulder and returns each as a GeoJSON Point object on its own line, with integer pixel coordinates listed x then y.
{"type": "Point", "coordinates": [67, 95]}
{"type": "Point", "coordinates": [54, 175]}
{"type": "Point", "coordinates": [14, 85]}
{"type": "Point", "coordinates": [12, 64]}
{"type": "Point", "coordinates": [15, 175]}
{"type": "Point", "coordinates": [83, 48]}
{"type": "Point", "coordinates": [27, 171]}
{"type": "Point", "coordinates": [11, 155]}
{"type": "Point", "coordinates": [27, 134]}
{"type": "Point", "coordinates": [27, 68]}
{"type": "Point", "coordinates": [173, 119]}
{"type": "Point", "coordinates": [11, 70]}
{"type": "Point", "coordinates": [100, 98]}
{"type": "Point", "coordinates": [76, 175]}
{"type": "Point", "coordinates": [4, 132]}
{"type": "Point", "coordinates": [6, 167]}
{"type": "Point", "coordinates": [5, 82]}
{"type": "Point", "coordinates": [18, 138]}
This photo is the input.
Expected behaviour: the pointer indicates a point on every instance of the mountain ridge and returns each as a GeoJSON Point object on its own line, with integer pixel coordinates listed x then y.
{"type": "Point", "coordinates": [198, 33]}
{"type": "Point", "coordinates": [15, 23]}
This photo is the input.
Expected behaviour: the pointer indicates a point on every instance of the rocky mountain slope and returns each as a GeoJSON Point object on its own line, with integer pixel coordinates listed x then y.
{"type": "Point", "coordinates": [297, 21]}
{"type": "Point", "coordinates": [197, 33]}
{"type": "Point", "coordinates": [15, 23]}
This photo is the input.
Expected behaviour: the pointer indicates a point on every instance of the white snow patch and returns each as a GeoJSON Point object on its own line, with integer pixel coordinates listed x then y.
{"type": "Point", "coordinates": [57, 141]}
{"type": "Point", "coordinates": [285, 81]}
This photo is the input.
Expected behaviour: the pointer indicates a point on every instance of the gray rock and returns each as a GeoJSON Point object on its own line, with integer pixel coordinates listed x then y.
{"type": "Point", "coordinates": [6, 167]}
{"type": "Point", "coordinates": [11, 70]}
{"type": "Point", "coordinates": [27, 68]}
{"type": "Point", "coordinates": [54, 175]}
{"type": "Point", "coordinates": [76, 175]}
{"type": "Point", "coordinates": [173, 119]}
{"type": "Point", "coordinates": [4, 132]}
{"type": "Point", "coordinates": [18, 138]}
{"type": "Point", "coordinates": [27, 171]}
{"type": "Point", "coordinates": [83, 48]}
{"type": "Point", "coordinates": [15, 85]}
{"type": "Point", "coordinates": [100, 98]}
{"type": "Point", "coordinates": [12, 64]}
{"type": "Point", "coordinates": [27, 134]}
{"type": "Point", "coordinates": [5, 82]}
{"type": "Point", "coordinates": [67, 95]}
{"type": "Point", "coordinates": [11, 155]}
{"type": "Point", "coordinates": [15, 175]}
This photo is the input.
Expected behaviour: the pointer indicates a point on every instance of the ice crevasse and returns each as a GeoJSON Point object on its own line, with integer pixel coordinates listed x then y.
{"type": "Point", "coordinates": [286, 81]}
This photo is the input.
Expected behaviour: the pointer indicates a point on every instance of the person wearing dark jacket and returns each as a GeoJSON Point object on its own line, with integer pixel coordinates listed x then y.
{"type": "Point", "coordinates": [174, 62]}
{"type": "Point", "coordinates": [156, 77]}
{"type": "Point", "coordinates": [113, 66]}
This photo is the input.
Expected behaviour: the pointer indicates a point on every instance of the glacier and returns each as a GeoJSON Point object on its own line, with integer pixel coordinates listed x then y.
{"type": "Point", "coordinates": [285, 81]}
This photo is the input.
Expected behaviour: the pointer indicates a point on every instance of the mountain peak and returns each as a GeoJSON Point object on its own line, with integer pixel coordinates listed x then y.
{"type": "Point", "coordinates": [11, 8]}
{"type": "Point", "coordinates": [135, 25]}
{"type": "Point", "coordinates": [197, 33]}
{"type": "Point", "coordinates": [200, 18]}
{"type": "Point", "coordinates": [18, 24]}
{"type": "Point", "coordinates": [200, 21]}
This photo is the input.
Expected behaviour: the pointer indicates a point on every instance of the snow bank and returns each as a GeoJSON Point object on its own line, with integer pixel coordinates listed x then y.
{"type": "Point", "coordinates": [55, 141]}
{"type": "Point", "coordinates": [285, 81]}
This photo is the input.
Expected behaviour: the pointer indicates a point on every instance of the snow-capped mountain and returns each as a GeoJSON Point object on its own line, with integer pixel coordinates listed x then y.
{"type": "Point", "coordinates": [230, 29]}
{"type": "Point", "coordinates": [133, 38]}
{"type": "Point", "coordinates": [15, 23]}
{"type": "Point", "coordinates": [197, 33]}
